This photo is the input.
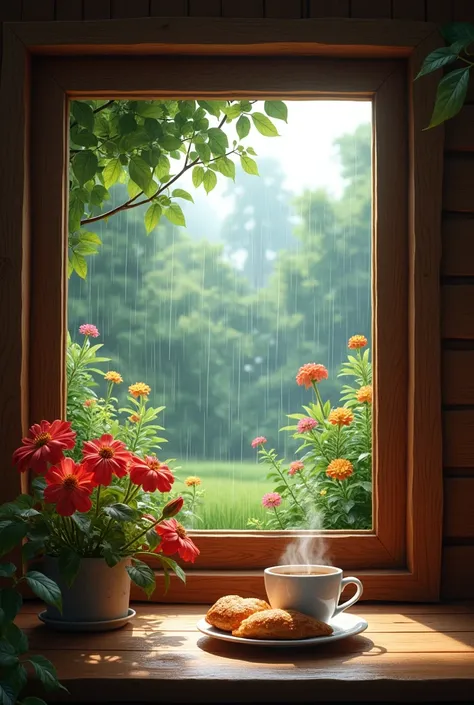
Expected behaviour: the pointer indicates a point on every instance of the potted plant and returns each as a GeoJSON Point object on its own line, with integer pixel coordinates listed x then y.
{"type": "Point", "coordinates": [100, 497]}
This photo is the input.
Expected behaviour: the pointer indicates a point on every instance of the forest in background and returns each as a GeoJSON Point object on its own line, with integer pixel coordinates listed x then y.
{"type": "Point", "coordinates": [219, 328]}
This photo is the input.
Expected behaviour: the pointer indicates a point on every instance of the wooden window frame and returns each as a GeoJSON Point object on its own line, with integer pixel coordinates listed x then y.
{"type": "Point", "coordinates": [46, 64]}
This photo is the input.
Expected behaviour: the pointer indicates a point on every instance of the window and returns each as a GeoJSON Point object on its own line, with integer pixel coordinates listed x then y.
{"type": "Point", "coordinates": [406, 167]}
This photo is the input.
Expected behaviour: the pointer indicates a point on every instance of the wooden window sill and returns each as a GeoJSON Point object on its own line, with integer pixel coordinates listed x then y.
{"type": "Point", "coordinates": [409, 653]}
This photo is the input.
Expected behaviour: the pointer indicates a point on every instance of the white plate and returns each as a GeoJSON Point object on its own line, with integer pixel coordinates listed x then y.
{"type": "Point", "coordinates": [344, 625]}
{"type": "Point", "coordinates": [103, 626]}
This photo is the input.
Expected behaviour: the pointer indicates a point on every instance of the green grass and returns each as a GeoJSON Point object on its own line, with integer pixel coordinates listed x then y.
{"type": "Point", "coordinates": [233, 492]}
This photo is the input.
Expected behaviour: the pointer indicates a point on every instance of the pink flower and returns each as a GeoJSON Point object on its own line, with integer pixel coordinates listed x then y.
{"type": "Point", "coordinates": [271, 500]}
{"type": "Point", "coordinates": [306, 424]}
{"type": "Point", "coordinates": [259, 441]}
{"type": "Point", "coordinates": [89, 329]}
{"type": "Point", "coordinates": [295, 467]}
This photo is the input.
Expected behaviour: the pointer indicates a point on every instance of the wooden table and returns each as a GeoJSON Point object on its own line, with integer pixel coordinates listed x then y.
{"type": "Point", "coordinates": [409, 653]}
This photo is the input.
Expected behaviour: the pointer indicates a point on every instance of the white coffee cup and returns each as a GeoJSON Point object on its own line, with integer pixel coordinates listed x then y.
{"type": "Point", "coordinates": [311, 589]}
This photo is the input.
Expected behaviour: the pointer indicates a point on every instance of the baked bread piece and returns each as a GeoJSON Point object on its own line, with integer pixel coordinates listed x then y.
{"type": "Point", "coordinates": [229, 611]}
{"type": "Point", "coordinates": [281, 624]}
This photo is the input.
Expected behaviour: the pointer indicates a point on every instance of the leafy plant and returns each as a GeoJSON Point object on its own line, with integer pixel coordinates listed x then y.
{"type": "Point", "coordinates": [452, 88]}
{"type": "Point", "coordinates": [149, 146]}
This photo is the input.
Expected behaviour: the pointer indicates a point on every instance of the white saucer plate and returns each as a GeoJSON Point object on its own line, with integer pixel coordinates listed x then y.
{"type": "Point", "coordinates": [344, 625]}
{"type": "Point", "coordinates": [102, 626]}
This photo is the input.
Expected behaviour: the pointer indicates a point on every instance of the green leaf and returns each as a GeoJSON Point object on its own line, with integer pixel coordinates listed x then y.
{"type": "Point", "coordinates": [437, 59]}
{"type": "Point", "coordinates": [69, 563]}
{"type": "Point", "coordinates": [78, 264]}
{"type": "Point", "coordinates": [180, 193]}
{"type": "Point", "coordinates": [46, 672]}
{"type": "Point", "coordinates": [152, 217]}
{"type": "Point", "coordinates": [170, 563]}
{"type": "Point", "coordinates": [213, 107]}
{"type": "Point", "coordinates": [111, 556]}
{"type": "Point", "coordinates": [170, 143]}
{"type": "Point", "coordinates": [7, 570]}
{"type": "Point", "coordinates": [209, 180]}
{"type": "Point", "coordinates": [264, 125]}
{"type": "Point", "coordinates": [84, 138]}
{"type": "Point", "coordinates": [98, 195]}
{"type": "Point", "coordinates": [112, 172]}
{"type": "Point", "coordinates": [151, 110]}
{"type": "Point", "coordinates": [203, 151]}
{"type": "Point", "coordinates": [16, 638]}
{"type": "Point", "coordinates": [127, 124]}
{"type": "Point", "coordinates": [218, 141]}
{"type": "Point", "coordinates": [76, 211]}
{"type": "Point", "coordinates": [8, 658]}
{"type": "Point", "coordinates": [458, 32]}
{"type": "Point", "coordinates": [276, 109]}
{"type": "Point", "coordinates": [198, 176]}
{"type": "Point", "coordinates": [86, 236]}
{"type": "Point", "coordinates": [163, 166]}
{"type": "Point", "coordinates": [174, 214]}
{"type": "Point", "coordinates": [139, 172]}
{"type": "Point", "coordinates": [10, 602]}
{"type": "Point", "coordinates": [7, 694]}
{"type": "Point", "coordinates": [11, 534]}
{"type": "Point", "coordinates": [44, 588]}
{"type": "Point", "coordinates": [120, 512]}
{"type": "Point", "coordinates": [83, 114]}
{"type": "Point", "coordinates": [249, 165]}
{"type": "Point", "coordinates": [243, 126]}
{"type": "Point", "coordinates": [84, 166]}
{"type": "Point", "coordinates": [233, 111]}
{"type": "Point", "coordinates": [142, 575]}
{"type": "Point", "coordinates": [226, 167]}
{"type": "Point", "coordinates": [450, 96]}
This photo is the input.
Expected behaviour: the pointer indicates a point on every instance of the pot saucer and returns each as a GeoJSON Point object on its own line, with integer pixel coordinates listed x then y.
{"type": "Point", "coordinates": [105, 625]}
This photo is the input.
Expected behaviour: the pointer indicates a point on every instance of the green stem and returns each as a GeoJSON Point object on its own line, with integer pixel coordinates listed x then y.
{"type": "Point", "coordinates": [97, 506]}
{"type": "Point", "coordinates": [314, 435]}
{"type": "Point", "coordinates": [466, 61]}
{"type": "Point", "coordinates": [130, 543]}
{"type": "Point", "coordinates": [368, 429]}
{"type": "Point", "coordinates": [285, 482]}
{"type": "Point", "coordinates": [278, 517]}
{"type": "Point", "coordinates": [318, 397]}
{"type": "Point", "coordinates": [338, 438]}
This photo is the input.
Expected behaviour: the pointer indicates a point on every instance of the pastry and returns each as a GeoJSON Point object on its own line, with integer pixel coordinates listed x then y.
{"type": "Point", "coordinates": [229, 611]}
{"type": "Point", "coordinates": [281, 624]}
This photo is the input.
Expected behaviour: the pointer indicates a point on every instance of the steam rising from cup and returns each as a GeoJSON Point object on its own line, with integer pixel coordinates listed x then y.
{"type": "Point", "coordinates": [309, 549]}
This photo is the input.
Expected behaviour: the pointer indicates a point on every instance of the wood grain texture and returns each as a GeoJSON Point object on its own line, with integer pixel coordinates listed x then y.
{"type": "Point", "coordinates": [96, 10]}
{"type": "Point", "coordinates": [459, 132]}
{"type": "Point", "coordinates": [458, 438]}
{"type": "Point", "coordinates": [37, 10]}
{"type": "Point", "coordinates": [439, 11]}
{"type": "Point", "coordinates": [458, 507]}
{"type": "Point", "coordinates": [290, 9]}
{"type": "Point", "coordinates": [121, 9]}
{"type": "Point", "coordinates": [329, 8]}
{"type": "Point", "coordinates": [408, 10]}
{"type": "Point", "coordinates": [421, 654]}
{"type": "Point", "coordinates": [458, 246]}
{"type": "Point", "coordinates": [243, 8]}
{"type": "Point", "coordinates": [68, 10]}
{"type": "Point", "coordinates": [204, 8]}
{"type": "Point", "coordinates": [458, 572]}
{"type": "Point", "coordinates": [458, 377]}
{"type": "Point", "coordinates": [369, 9]}
{"type": "Point", "coordinates": [457, 311]}
{"type": "Point", "coordinates": [168, 8]}
{"type": "Point", "coordinates": [459, 183]}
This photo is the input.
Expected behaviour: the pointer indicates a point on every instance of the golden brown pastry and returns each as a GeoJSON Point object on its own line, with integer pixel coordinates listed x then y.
{"type": "Point", "coordinates": [281, 624]}
{"type": "Point", "coordinates": [229, 611]}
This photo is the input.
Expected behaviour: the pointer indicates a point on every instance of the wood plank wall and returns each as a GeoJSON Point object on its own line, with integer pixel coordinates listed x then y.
{"type": "Point", "coordinates": [457, 325]}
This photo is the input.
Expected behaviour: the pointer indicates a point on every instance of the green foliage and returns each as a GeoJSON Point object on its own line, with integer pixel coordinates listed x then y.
{"type": "Point", "coordinates": [148, 146]}
{"type": "Point", "coordinates": [452, 88]}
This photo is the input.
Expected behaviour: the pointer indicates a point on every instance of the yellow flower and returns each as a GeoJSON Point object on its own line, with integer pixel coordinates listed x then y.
{"type": "Point", "coordinates": [114, 377]}
{"type": "Point", "coordinates": [339, 469]}
{"type": "Point", "coordinates": [134, 418]}
{"type": "Point", "coordinates": [192, 481]}
{"type": "Point", "coordinates": [341, 417]}
{"type": "Point", "coordinates": [139, 389]}
{"type": "Point", "coordinates": [323, 493]}
{"type": "Point", "coordinates": [357, 341]}
{"type": "Point", "coordinates": [364, 394]}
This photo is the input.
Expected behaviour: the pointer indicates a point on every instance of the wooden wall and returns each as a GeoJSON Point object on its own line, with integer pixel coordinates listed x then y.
{"type": "Point", "coordinates": [457, 324]}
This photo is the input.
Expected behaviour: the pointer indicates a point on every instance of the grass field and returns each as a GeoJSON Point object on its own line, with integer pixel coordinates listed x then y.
{"type": "Point", "coordinates": [233, 492]}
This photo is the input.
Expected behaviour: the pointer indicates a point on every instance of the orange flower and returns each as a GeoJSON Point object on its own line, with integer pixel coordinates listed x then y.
{"type": "Point", "coordinates": [339, 469]}
{"type": "Point", "coordinates": [311, 372]}
{"type": "Point", "coordinates": [192, 481]}
{"type": "Point", "coordinates": [69, 486]}
{"type": "Point", "coordinates": [341, 417]}
{"type": "Point", "coordinates": [90, 402]}
{"type": "Point", "coordinates": [364, 394]}
{"type": "Point", "coordinates": [139, 389]}
{"type": "Point", "coordinates": [151, 474]}
{"type": "Point", "coordinates": [105, 457]}
{"type": "Point", "coordinates": [357, 341]}
{"type": "Point", "coordinates": [174, 539]}
{"type": "Point", "coordinates": [114, 377]}
{"type": "Point", "coordinates": [44, 444]}
{"type": "Point", "coordinates": [134, 418]}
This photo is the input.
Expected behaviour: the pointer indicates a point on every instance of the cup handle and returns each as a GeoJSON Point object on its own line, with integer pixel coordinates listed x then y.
{"type": "Point", "coordinates": [354, 598]}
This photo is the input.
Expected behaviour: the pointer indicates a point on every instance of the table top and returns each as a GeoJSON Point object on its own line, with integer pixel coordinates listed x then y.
{"type": "Point", "coordinates": [409, 652]}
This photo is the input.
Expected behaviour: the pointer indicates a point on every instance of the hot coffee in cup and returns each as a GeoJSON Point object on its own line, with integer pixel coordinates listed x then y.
{"type": "Point", "coordinates": [311, 589]}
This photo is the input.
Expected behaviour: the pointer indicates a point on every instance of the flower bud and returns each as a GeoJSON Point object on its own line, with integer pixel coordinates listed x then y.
{"type": "Point", "coordinates": [172, 508]}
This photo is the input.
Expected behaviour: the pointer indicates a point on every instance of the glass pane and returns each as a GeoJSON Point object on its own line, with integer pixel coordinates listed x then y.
{"type": "Point", "coordinates": [246, 268]}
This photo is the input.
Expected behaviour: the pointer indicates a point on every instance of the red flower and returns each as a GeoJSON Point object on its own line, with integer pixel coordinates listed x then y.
{"type": "Point", "coordinates": [44, 444]}
{"type": "Point", "coordinates": [69, 486]}
{"type": "Point", "coordinates": [151, 474]}
{"type": "Point", "coordinates": [174, 539]}
{"type": "Point", "coordinates": [173, 507]}
{"type": "Point", "coordinates": [105, 457]}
